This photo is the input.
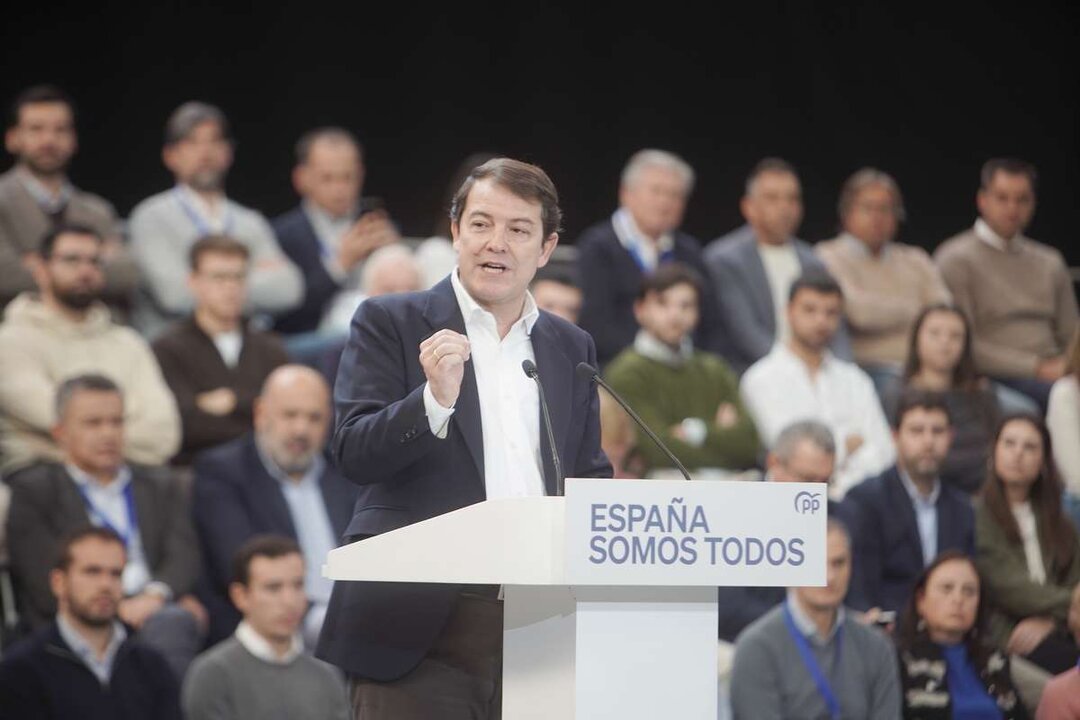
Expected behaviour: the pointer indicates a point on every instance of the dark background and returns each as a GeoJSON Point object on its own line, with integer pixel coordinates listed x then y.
{"type": "Point", "coordinates": [926, 93]}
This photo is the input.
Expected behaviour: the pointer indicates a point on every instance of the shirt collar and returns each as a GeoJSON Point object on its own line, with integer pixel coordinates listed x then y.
{"type": "Point", "coordinates": [913, 492]}
{"type": "Point", "coordinates": [630, 234]}
{"type": "Point", "coordinates": [471, 310]}
{"type": "Point", "coordinates": [85, 651]}
{"type": "Point", "coordinates": [646, 344]}
{"type": "Point", "coordinates": [41, 194]}
{"type": "Point", "coordinates": [827, 359]}
{"type": "Point", "coordinates": [985, 233]}
{"type": "Point", "coordinates": [258, 646]}
{"type": "Point", "coordinates": [806, 626]}
{"type": "Point", "coordinates": [318, 464]}
{"type": "Point", "coordinates": [195, 200]}
{"type": "Point", "coordinates": [90, 483]}
{"type": "Point", "coordinates": [858, 247]}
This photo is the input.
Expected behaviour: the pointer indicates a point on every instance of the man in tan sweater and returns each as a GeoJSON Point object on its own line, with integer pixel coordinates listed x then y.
{"type": "Point", "coordinates": [1016, 292]}
{"type": "Point", "coordinates": [886, 284]}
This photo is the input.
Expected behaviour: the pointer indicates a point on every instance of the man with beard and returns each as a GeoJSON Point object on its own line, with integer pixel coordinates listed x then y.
{"type": "Point", "coordinates": [83, 665]}
{"type": "Point", "coordinates": [276, 481]}
{"type": "Point", "coordinates": [800, 379]}
{"type": "Point", "coordinates": [906, 516]}
{"type": "Point", "coordinates": [65, 330]}
{"type": "Point", "coordinates": [198, 151]}
{"type": "Point", "coordinates": [36, 195]}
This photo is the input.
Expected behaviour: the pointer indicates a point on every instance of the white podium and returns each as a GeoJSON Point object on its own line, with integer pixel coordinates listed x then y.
{"type": "Point", "coordinates": [610, 593]}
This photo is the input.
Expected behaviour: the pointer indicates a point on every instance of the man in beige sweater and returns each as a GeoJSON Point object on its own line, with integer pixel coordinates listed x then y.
{"type": "Point", "coordinates": [1016, 292]}
{"type": "Point", "coordinates": [886, 284]}
{"type": "Point", "coordinates": [65, 331]}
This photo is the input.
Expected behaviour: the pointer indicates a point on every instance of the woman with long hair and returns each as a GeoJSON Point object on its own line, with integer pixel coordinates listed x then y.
{"type": "Point", "coordinates": [1026, 549]}
{"type": "Point", "coordinates": [947, 670]}
{"type": "Point", "coordinates": [940, 361]}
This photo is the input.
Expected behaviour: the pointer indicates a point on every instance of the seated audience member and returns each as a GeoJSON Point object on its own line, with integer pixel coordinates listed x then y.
{"type": "Point", "coordinates": [198, 152]}
{"type": "Point", "coordinates": [262, 670]}
{"type": "Point", "coordinates": [619, 440]}
{"type": "Point", "coordinates": [801, 379]}
{"type": "Point", "coordinates": [558, 292]}
{"type": "Point", "coordinates": [66, 330]}
{"type": "Point", "coordinates": [145, 506]}
{"type": "Point", "coordinates": [689, 397]}
{"type": "Point", "coordinates": [617, 253]}
{"type": "Point", "coordinates": [36, 196]}
{"type": "Point", "coordinates": [214, 364]}
{"type": "Point", "coordinates": [1017, 292]}
{"type": "Point", "coordinates": [1027, 551]}
{"type": "Point", "coordinates": [886, 283]}
{"type": "Point", "coordinates": [1061, 696]}
{"type": "Point", "coordinates": [753, 266]}
{"type": "Point", "coordinates": [809, 658]}
{"type": "Point", "coordinates": [278, 481]}
{"type": "Point", "coordinates": [333, 230]}
{"type": "Point", "coordinates": [1063, 421]}
{"type": "Point", "coordinates": [939, 361]}
{"type": "Point", "coordinates": [906, 516]}
{"type": "Point", "coordinates": [390, 269]}
{"type": "Point", "coordinates": [946, 668]}
{"type": "Point", "coordinates": [83, 665]}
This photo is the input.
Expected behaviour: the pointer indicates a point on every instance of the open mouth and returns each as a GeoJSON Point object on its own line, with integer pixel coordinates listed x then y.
{"type": "Point", "coordinates": [493, 268]}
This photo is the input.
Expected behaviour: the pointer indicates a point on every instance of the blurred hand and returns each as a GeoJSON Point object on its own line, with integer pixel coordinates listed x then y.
{"type": "Point", "coordinates": [443, 357]}
{"type": "Point", "coordinates": [137, 609]}
{"type": "Point", "coordinates": [1028, 633]}
{"type": "Point", "coordinates": [1051, 369]}
{"type": "Point", "coordinates": [221, 401]}
{"type": "Point", "coordinates": [193, 606]}
{"type": "Point", "coordinates": [370, 232]}
{"type": "Point", "coordinates": [726, 415]}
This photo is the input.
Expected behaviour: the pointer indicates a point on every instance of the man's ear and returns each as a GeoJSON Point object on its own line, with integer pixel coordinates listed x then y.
{"type": "Point", "coordinates": [238, 596]}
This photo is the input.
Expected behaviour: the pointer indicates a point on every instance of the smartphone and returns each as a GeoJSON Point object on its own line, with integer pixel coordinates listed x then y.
{"type": "Point", "coordinates": [370, 204]}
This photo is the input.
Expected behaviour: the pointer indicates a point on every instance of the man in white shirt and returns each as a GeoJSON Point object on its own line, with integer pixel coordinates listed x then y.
{"type": "Point", "coordinates": [801, 379]}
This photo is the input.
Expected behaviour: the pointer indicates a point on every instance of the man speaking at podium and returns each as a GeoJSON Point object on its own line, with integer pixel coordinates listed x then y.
{"type": "Point", "coordinates": [434, 412]}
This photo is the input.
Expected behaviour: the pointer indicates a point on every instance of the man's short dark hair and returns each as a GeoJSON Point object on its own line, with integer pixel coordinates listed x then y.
{"type": "Point", "coordinates": [38, 94]}
{"type": "Point", "coordinates": [333, 133]}
{"type": "Point", "coordinates": [528, 182]}
{"type": "Point", "coordinates": [769, 165]}
{"type": "Point", "coordinates": [48, 242]}
{"type": "Point", "coordinates": [267, 546]}
{"type": "Point", "coordinates": [89, 382]}
{"type": "Point", "coordinates": [62, 559]}
{"type": "Point", "coordinates": [221, 244]}
{"type": "Point", "coordinates": [817, 280]}
{"type": "Point", "coordinates": [563, 274]}
{"type": "Point", "coordinates": [189, 116]}
{"type": "Point", "coordinates": [917, 399]}
{"type": "Point", "coordinates": [667, 276]}
{"type": "Point", "coordinates": [1009, 166]}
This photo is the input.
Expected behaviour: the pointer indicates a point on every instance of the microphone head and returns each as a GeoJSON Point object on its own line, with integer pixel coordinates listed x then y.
{"type": "Point", "coordinates": [585, 371]}
{"type": "Point", "coordinates": [529, 367]}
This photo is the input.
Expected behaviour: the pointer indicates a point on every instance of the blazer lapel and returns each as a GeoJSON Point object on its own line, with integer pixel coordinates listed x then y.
{"type": "Point", "coordinates": [267, 495]}
{"type": "Point", "coordinates": [554, 369]}
{"type": "Point", "coordinates": [143, 491]}
{"type": "Point", "coordinates": [906, 511]}
{"type": "Point", "coordinates": [759, 284]}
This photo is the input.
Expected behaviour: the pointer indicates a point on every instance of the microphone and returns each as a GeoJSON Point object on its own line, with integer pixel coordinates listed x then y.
{"type": "Point", "coordinates": [530, 370]}
{"type": "Point", "coordinates": [585, 371]}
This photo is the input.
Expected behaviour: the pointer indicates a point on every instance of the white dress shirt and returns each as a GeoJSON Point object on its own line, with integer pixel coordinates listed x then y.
{"type": "Point", "coordinates": [635, 242]}
{"type": "Point", "coordinates": [329, 230]}
{"type": "Point", "coordinates": [509, 401]}
{"type": "Point", "coordinates": [779, 390]}
{"type": "Point", "coordinates": [261, 648]}
{"type": "Point", "coordinates": [782, 268]}
{"type": "Point", "coordinates": [229, 346]}
{"type": "Point", "coordinates": [926, 518]}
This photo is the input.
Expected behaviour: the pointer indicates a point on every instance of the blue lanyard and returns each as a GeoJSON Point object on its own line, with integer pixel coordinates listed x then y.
{"type": "Point", "coordinates": [196, 217]}
{"type": "Point", "coordinates": [133, 518]}
{"type": "Point", "coordinates": [811, 662]}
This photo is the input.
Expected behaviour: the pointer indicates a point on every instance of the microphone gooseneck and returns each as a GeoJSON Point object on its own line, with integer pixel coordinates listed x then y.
{"type": "Point", "coordinates": [586, 371]}
{"type": "Point", "coordinates": [530, 370]}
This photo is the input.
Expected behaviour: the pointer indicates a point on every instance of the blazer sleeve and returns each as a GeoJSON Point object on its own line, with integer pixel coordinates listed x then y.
{"type": "Point", "coordinates": [599, 316]}
{"type": "Point", "coordinates": [591, 460]}
{"type": "Point", "coordinates": [32, 541]}
{"type": "Point", "coordinates": [219, 515]}
{"type": "Point", "coordinates": [179, 564]}
{"type": "Point", "coordinates": [748, 339]}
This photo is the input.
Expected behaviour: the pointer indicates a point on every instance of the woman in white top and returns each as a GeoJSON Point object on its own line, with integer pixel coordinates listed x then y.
{"type": "Point", "coordinates": [1026, 548]}
{"type": "Point", "coordinates": [1063, 420]}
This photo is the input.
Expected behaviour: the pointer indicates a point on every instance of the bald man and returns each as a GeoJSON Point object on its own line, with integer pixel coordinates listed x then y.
{"type": "Point", "coordinates": [275, 480]}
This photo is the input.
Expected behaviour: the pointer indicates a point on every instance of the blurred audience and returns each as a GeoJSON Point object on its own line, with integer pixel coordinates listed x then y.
{"type": "Point", "coordinates": [886, 283]}
{"type": "Point", "coordinates": [145, 506]}
{"type": "Point", "coordinates": [619, 440]}
{"type": "Point", "coordinates": [262, 670]}
{"type": "Point", "coordinates": [1061, 696]}
{"type": "Point", "coordinates": [689, 397]}
{"type": "Point", "coordinates": [65, 330]}
{"type": "Point", "coordinates": [1026, 549]}
{"type": "Point", "coordinates": [558, 290]}
{"type": "Point", "coordinates": [214, 364]}
{"type": "Point", "coordinates": [83, 665]}
{"type": "Point", "coordinates": [1063, 421]}
{"type": "Point", "coordinates": [754, 266]}
{"type": "Point", "coordinates": [390, 269]}
{"type": "Point", "coordinates": [36, 196]}
{"type": "Point", "coordinates": [946, 668]}
{"type": "Point", "coordinates": [199, 152]}
{"type": "Point", "coordinates": [614, 255]}
{"type": "Point", "coordinates": [1017, 292]}
{"type": "Point", "coordinates": [801, 379]}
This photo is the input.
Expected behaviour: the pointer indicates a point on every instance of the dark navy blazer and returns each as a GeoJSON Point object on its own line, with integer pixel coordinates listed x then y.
{"type": "Point", "coordinates": [298, 240]}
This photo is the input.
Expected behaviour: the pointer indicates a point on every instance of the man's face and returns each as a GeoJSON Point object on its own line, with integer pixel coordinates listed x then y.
{"type": "Point", "coordinates": [837, 574]}
{"type": "Point", "coordinates": [219, 285]}
{"type": "Point", "coordinates": [274, 601]}
{"type": "Point", "coordinates": [922, 441]}
{"type": "Point", "coordinates": [44, 137]}
{"type": "Point", "coordinates": [773, 207]}
{"type": "Point", "coordinates": [808, 463]}
{"type": "Point", "coordinates": [1007, 204]}
{"type": "Point", "coordinates": [332, 177]}
{"type": "Point", "coordinates": [872, 217]}
{"type": "Point", "coordinates": [814, 318]}
{"type": "Point", "coordinates": [500, 244]}
{"type": "Point", "coordinates": [656, 199]}
{"type": "Point", "coordinates": [202, 159]}
{"type": "Point", "coordinates": [558, 299]}
{"type": "Point", "coordinates": [73, 274]}
{"type": "Point", "coordinates": [91, 431]}
{"type": "Point", "coordinates": [91, 587]}
{"type": "Point", "coordinates": [291, 420]}
{"type": "Point", "coordinates": [669, 316]}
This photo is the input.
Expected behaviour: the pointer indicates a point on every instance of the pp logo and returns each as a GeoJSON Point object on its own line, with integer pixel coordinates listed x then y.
{"type": "Point", "coordinates": [807, 503]}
